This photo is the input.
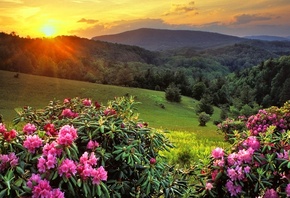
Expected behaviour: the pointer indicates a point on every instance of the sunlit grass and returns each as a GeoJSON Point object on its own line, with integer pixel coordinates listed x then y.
{"type": "Point", "coordinates": [177, 118]}
{"type": "Point", "coordinates": [189, 149]}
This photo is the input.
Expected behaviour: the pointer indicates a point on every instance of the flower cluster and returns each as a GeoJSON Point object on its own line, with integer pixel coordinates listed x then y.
{"type": "Point", "coordinates": [32, 142]}
{"type": "Point", "coordinates": [67, 134]}
{"type": "Point", "coordinates": [70, 148]}
{"type": "Point", "coordinates": [8, 160]}
{"type": "Point", "coordinates": [7, 135]}
{"type": "Point", "coordinates": [260, 122]}
{"type": "Point", "coordinates": [257, 164]}
{"type": "Point", "coordinates": [41, 188]}
{"type": "Point", "coordinates": [29, 129]}
{"type": "Point", "coordinates": [86, 169]}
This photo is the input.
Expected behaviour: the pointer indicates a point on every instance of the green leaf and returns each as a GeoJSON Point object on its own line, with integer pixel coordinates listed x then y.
{"type": "Point", "coordinates": [99, 192]}
{"type": "Point", "coordinates": [3, 193]}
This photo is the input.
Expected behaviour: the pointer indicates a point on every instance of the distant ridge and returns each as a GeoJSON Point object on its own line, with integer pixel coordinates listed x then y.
{"type": "Point", "coordinates": [162, 39]}
{"type": "Point", "coordinates": [268, 38]}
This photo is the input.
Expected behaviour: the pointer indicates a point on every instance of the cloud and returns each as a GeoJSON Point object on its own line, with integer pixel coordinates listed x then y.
{"type": "Point", "coordinates": [88, 21]}
{"type": "Point", "coordinates": [181, 9]}
{"type": "Point", "coordinates": [248, 18]}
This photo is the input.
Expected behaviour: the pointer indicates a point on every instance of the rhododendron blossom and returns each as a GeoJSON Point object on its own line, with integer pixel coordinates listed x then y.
{"type": "Point", "coordinates": [67, 134]}
{"type": "Point", "coordinates": [208, 186]}
{"type": "Point", "coordinates": [217, 153]}
{"type": "Point", "coordinates": [8, 160]}
{"type": "Point", "coordinates": [32, 143]}
{"type": "Point", "coordinates": [51, 149]}
{"type": "Point", "coordinates": [28, 129]}
{"type": "Point", "coordinates": [69, 113]}
{"type": "Point", "coordinates": [9, 135]}
{"type": "Point", "coordinates": [233, 189]}
{"type": "Point", "coordinates": [92, 145]}
{"type": "Point", "coordinates": [50, 129]}
{"type": "Point", "coordinates": [271, 193]}
{"type": "Point", "coordinates": [99, 175]}
{"type": "Point", "coordinates": [67, 168]}
{"type": "Point", "coordinates": [87, 102]}
{"type": "Point", "coordinates": [2, 128]}
{"type": "Point", "coordinates": [287, 190]}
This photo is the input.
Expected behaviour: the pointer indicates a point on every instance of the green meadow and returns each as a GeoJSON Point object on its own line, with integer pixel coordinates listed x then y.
{"type": "Point", "coordinates": [178, 119]}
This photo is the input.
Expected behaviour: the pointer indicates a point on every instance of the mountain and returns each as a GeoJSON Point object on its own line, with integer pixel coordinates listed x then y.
{"type": "Point", "coordinates": [268, 38]}
{"type": "Point", "coordinates": [162, 39]}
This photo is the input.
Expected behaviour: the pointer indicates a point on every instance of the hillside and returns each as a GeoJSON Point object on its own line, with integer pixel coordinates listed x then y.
{"type": "Point", "coordinates": [161, 39]}
{"type": "Point", "coordinates": [26, 90]}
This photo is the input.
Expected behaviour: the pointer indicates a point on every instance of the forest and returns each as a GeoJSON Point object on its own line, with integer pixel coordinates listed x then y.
{"type": "Point", "coordinates": [239, 78]}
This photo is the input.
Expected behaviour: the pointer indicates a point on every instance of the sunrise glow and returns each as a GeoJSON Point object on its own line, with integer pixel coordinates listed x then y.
{"type": "Point", "coordinates": [48, 30]}
{"type": "Point", "coordinates": [88, 18]}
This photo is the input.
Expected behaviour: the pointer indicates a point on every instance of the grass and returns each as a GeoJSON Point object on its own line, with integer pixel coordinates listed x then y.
{"type": "Point", "coordinates": [37, 91]}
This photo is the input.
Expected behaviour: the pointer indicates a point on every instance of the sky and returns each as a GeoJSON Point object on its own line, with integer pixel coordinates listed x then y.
{"type": "Point", "coordinates": [89, 18]}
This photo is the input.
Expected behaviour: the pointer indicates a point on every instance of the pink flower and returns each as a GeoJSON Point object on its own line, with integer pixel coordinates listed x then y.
{"type": "Point", "coordinates": [85, 159]}
{"type": "Point", "coordinates": [68, 168]}
{"type": "Point", "coordinates": [67, 134]}
{"type": "Point", "coordinates": [208, 186]}
{"type": "Point", "coordinates": [234, 190]}
{"type": "Point", "coordinates": [109, 112]}
{"type": "Point", "coordinates": [8, 160]}
{"type": "Point", "coordinates": [92, 144]}
{"type": "Point", "coordinates": [152, 161]}
{"type": "Point", "coordinates": [46, 163]}
{"type": "Point", "coordinates": [66, 100]}
{"type": "Point", "coordinates": [247, 169]}
{"type": "Point", "coordinates": [42, 189]}
{"type": "Point", "coordinates": [87, 102]}
{"type": "Point", "coordinates": [217, 153]}
{"type": "Point", "coordinates": [33, 180]}
{"type": "Point", "coordinates": [271, 193]}
{"type": "Point", "coordinates": [287, 189]}
{"type": "Point", "coordinates": [252, 142]}
{"type": "Point", "coordinates": [28, 129]}
{"type": "Point", "coordinates": [51, 149]}
{"type": "Point", "coordinates": [246, 155]}
{"type": "Point", "coordinates": [32, 143]}
{"type": "Point", "coordinates": [233, 159]}
{"type": "Point", "coordinates": [56, 193]}
{"type": "Point", "coordinates": [68, 113]}
{"type": "Point", "coordinates": [2, 128]}
{"type": "Point", "coordinates": [99, 175]}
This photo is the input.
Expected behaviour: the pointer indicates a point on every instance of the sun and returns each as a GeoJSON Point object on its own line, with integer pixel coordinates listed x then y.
{"type": "Point", "coordinates": [48, 30]}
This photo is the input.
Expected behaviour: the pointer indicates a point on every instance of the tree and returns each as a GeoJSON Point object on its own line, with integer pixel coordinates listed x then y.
{"type": "Point", "coordinates": [198, 90]}
{"type": "Point", "coordinates": [205, 105]}
{"type": "Point", "coordinates": [203, 118]}
{"type": "Point", "coordinates": [172, 93]}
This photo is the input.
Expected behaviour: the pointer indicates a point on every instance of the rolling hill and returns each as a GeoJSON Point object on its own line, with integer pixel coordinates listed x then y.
{"type": "Point", "coordinates": [37, 91]}
{"type": "Point", "coordinates": [161, 39]}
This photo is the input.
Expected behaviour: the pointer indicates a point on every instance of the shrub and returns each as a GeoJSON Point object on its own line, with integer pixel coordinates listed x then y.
{"type": "Point", "coordinates": [230, 127]}
{"type": "Point", "coordinates": [172, 93]}
{"type": "Point", "coordinates": [84, 149]}
{"type": "Point", "coordinates": [203, 118]}
{"type": "Point", "coordinates": [258, 163]}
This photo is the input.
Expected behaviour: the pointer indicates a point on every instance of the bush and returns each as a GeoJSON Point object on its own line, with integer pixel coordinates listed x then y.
{"type": "Point", "coordinates": [230, 127]}
{"type": "Point", "coordinates": [258, 163]}
{"type": "Point", "coordinates": [84, 149]}
{"type": "Point", "coordinates": [172, 93]}
{"type": "Point", "coordinates": [203, 118]}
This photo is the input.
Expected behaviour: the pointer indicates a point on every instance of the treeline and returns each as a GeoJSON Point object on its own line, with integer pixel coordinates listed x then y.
{"type": "Point", "coordinates": [216, 77]}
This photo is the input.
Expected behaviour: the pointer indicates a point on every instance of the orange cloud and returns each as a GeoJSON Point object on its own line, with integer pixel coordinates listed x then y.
{"type": "Point", "coordinates": [181, 9]}
{"type": "Point", "coordinates": [88, 21]}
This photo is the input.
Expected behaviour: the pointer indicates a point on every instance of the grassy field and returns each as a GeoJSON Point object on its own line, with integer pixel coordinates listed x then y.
{"type": "Point", "coordinates": [177, 118]}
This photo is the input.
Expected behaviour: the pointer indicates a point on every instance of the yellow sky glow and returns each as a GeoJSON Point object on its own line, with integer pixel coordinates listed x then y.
{"type": "Point", "coordinates": [88, 18]}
